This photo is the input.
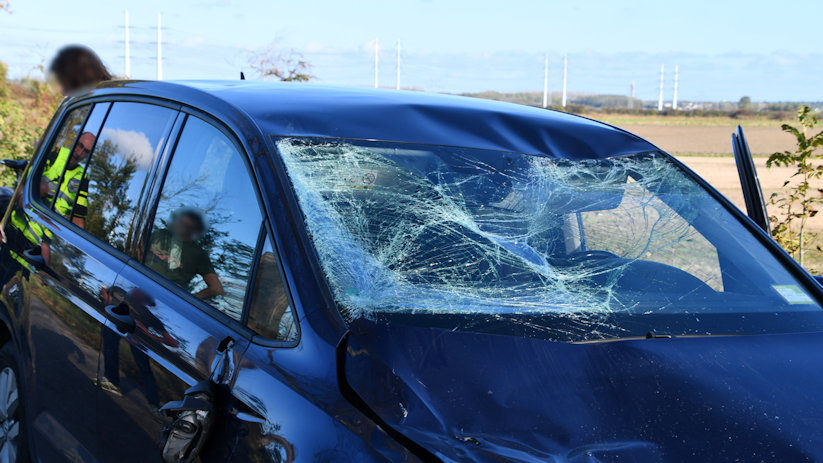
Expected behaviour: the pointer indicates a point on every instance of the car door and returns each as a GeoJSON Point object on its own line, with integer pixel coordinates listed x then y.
{"type": "Point", "coordinates": [749, 181]}
{"type": "Point", "coordinates": [182, 299]}
{"type": "Point", "coordinates": [69, 262]}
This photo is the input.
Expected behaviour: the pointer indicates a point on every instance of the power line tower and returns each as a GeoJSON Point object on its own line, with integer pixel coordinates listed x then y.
{"type": "Point", "coordinates": [397, 84]}
{"type": "Point", "coordinates": [660, 96]}
{"type": "Point", "coordinates": [127, 66]}
{"type": "Point", "coordinates": [631, 97]}
{"type": "Point", "coordinates": [565, 69]}
{"type": "Point", "coordinates": [159, 47]}
{"type": "Point", "coordinates": [546, 82]}
{"type": "Point", "coordinates": [674, 100]}
{"type": "Point", "coordinates": [376, 61]}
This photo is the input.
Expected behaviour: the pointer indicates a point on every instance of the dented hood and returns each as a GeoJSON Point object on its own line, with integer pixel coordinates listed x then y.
{"type": "Point", "coordinates": [481, 397]}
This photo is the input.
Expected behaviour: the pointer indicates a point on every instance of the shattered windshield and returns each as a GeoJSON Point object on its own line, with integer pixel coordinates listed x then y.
{"type": "Point", "coordinates": [531, 245]}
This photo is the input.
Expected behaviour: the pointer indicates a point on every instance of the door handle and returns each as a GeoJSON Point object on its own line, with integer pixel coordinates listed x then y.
{"type": "Point", "coordinates": [120, 315]}
{"type": "Point", "coordinates": [35, 257]}
{"type": "Point", "coordinates": [193, 416]}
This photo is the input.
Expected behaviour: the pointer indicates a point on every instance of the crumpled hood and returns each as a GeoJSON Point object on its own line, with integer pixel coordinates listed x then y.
{"type": "Point", "coordinates": [480, 397]}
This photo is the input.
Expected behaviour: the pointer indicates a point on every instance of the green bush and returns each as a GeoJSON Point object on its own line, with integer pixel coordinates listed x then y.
{"type": "Point", "coordinates": [25, 109]}
{"type": "Point", "coordinates": [798, 201]}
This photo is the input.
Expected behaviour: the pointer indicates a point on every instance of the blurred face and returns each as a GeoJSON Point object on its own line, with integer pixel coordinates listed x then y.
{"type": "Point", "coordinates": [82, 149]}
{"type": "Point", "coordinates": [186, 228]}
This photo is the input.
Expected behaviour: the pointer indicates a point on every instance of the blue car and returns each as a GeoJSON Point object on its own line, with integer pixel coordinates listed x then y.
{"type": "Point", "coordinates": [251, 272]}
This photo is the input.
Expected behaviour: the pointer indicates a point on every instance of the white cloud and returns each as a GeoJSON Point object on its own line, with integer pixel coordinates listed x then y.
{"type": "Point", "coordinates": [131, 144]}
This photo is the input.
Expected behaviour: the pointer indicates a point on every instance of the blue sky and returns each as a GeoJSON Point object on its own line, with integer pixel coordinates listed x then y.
{"type": "Point", "coordinates": [724, 49]}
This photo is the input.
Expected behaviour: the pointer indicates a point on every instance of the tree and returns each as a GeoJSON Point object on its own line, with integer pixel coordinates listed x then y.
{"type": "Point", "coordinates": [744, 103]}
{"type": "Point", "coordinates": [798, 202]}
{"type": "Point", "coordinates": [25, 109]}
{"type": "Point", "coordinates": [286, 66]}
{"type": "Point", "coordinates": [110, 175]}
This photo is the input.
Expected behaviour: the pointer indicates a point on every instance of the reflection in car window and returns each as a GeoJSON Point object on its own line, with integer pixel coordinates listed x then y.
{"type": "Point", "coordinates": [207, 221]}
{"type": "Point", "coordinates": [131, 138]}
{"type": "Point", "coordinates": [70, 173]}
{"type": "Point", "coordinates": [49, 174]}
{"type": "Point", "coordinates": [270, 313]}
{"type": "Point", "coordinates": [52, 167]}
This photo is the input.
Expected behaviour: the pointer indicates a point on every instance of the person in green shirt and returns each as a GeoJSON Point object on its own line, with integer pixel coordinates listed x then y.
{"type": "Point", "coordinates": [176, 256]}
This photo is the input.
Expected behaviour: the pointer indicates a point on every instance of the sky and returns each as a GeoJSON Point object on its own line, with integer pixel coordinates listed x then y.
{"type": "Point", "coordinates": [770, 51]}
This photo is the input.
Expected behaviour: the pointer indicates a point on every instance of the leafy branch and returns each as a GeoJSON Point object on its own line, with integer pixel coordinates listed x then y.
{"type": "Point", "coordinates": [798, 202]}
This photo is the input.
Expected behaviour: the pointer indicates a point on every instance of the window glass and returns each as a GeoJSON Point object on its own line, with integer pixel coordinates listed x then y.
{"type": "Point", "coordinates": [207, 221]}
{"type": "Point", "coordinates": [527, 245]}
{"type": "Point", "coordinates": [131, 138]}
{"type": "Point", "coordinates": [270, 313]}
{"type": "Point", "coordinates": [52, 167]}
{"type": "Point", "coordinates": [627, 231]}
{"type": "Point", "coordinates": [69, 171]}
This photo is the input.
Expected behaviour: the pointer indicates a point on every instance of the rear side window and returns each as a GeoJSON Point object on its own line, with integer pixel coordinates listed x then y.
{"type": "Point", "coordinates": [207, 221]}
{"type": "Point", "coordinates": [131, 138]}
{"type": "Point", "coordinates": [71, 197]}
{"type": "Point", "coordinates": [51, 168]}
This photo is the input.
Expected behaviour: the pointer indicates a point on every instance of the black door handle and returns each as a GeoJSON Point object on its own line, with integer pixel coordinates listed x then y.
{"type": "Point", "coordinates": [120, 315]}
{"type": "Point", "coordinates": [35, 258]}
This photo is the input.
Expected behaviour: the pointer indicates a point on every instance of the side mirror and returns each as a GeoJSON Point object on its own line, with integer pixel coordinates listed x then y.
{"type": "Point", "coordinates": [17, 165]}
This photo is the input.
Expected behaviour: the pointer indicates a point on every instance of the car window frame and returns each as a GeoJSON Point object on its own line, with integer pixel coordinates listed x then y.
{"type": "Point", "coordinates": [151, 203]}
{"type": "Point", "coordinates": [32, 199]}
{"type": "Point", "coordinates": [259, 339]}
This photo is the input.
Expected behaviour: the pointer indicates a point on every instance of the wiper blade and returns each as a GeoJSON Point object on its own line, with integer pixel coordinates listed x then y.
{"type": "Point", "coordinates": [654, 335]}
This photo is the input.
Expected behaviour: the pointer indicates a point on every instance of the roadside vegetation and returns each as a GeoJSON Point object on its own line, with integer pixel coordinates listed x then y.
{"type": "Point", "coordinates": [801, 196]}
{"type": "Point", "coordinates": [26, 106]}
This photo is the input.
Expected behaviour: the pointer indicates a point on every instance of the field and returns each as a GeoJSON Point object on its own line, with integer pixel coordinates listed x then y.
{"type": "Point", "coordinates": [704, 144]}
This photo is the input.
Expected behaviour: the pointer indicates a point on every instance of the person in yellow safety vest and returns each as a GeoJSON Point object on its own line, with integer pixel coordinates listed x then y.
{"type": "Point", "coordinates": [72, 195]}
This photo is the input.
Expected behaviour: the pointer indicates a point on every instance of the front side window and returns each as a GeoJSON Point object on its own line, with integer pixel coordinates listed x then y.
{"type": "Point", "coordinates": [518, 244]}
{"type": "Point", "coordinates": [270, 312]}
{"type": "Point", "coordinates": [207, 221]}
{"type": "Point", "coordinates": [131, 138]}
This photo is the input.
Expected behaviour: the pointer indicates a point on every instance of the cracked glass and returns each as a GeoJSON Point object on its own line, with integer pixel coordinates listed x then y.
{"type": "Point", "coordinates": [566, 249]}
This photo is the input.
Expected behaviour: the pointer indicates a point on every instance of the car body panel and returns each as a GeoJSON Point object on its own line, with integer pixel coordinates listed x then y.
{"type": "Point", "coordinates": [65, 308]}
{"type": "Point", "coordinates": [484, 397]}
{"type": "Point", "coordinates": [301, 414]}
{"type": "Point", "coordinates": [173, 347]}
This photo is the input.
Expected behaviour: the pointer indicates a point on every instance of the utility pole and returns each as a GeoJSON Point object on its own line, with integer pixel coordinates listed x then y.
{"type": "Point", "coordinates": [397, 84]}
{"type": "Point", "coordinates": [631, 98]}
{"type": "Point", "coordinates": [660, 96]}
{"type": "Point", "coordinates": [159, 48]}
{"type": "Point", "coordinates": [546, 82]}
{"type": "Point", "coordinates": [127, 69]}
{"type": "Point", "coordinates": [674, 100]}
{"type": "Point", "coordinates": [565, 69]}
{"type": "Point", "coordinates": [376, 58]}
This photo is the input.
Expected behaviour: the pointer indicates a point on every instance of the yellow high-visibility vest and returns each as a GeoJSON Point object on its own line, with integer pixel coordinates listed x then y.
{"type": "Point", "coordinates": [69, 192]}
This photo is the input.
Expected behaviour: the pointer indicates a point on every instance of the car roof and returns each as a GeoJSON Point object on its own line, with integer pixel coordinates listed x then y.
{"type": "Point", "coordinates": [310, 110]}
